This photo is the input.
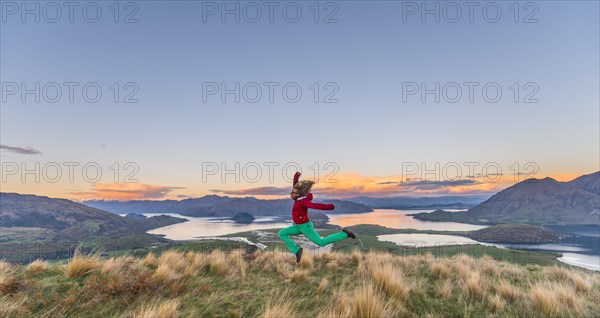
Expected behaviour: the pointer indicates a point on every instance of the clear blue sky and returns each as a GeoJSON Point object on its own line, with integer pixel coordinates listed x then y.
{"type": "Point", "coordinates": [369, 53]}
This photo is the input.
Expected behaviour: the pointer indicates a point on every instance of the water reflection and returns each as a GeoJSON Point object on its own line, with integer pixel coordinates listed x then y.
{"type": "Point", "coordinates": [425, 240]}
{"type": "Point", "coordinates": [205, 226]}
{"type": "Point", "coordinates": [399, 219]}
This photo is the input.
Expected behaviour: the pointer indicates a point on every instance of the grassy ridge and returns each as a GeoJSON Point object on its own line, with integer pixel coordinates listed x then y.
{"type": "Point", "coordinates": [238, 283]}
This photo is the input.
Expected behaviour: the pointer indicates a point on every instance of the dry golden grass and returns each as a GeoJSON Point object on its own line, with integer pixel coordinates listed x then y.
{"type": "Point", "coordinates": [511, 270]}
{"type": "Point", "coordinates": [488, 266]}
{"type": "Point", "coordinates": [390, 279]}
{"type": "Point", "coordinates": [217, 263]}
{"type": "Point", "coordinates": [364, 301]}
{"type": "Point", "coordinates": [175, 260]}
{"type": "Point", "coordinates": [556, 273]}
{"type": "Point", "coordinates": [36, 267]}
{"type": "Point", "coordinates": [368, 302]}
{"type": "Point", "coordinates": [373, 284]}
{"type": "Point", "coordinates": [474, 285]}
{"type": "Point", "coordinates": [6, 271]}
{"type": "Point", "coordinates": [324, 257]}
{"type": "Point", "coordinates": [581, 284]}
{"type": "Point", "coordinates": [12, 307]}
{"type": "Point", "coordinates": [356, 256]}
{"type": "Point", "coordinates": [165, 274]}
{"type": "Point", "coordinates": [462, 270]}
{"type": "Point", "coordinates": [236, 265]}
{"type": "Point", "coordinates": [444, 288]}
{"type": "Point", "coordinates": [195, 261]}
{"type": "Point", "coordinates": [440, 269]}
{"type": "Point", "coordinates": [496, 303]}
{"type": "Point", "coordinates": [307, 260]}
{"type": "Point", "coordinates": [333, 265]}
{"type": "Point", "coordinates": [322, 285]}
{"type": "Point", "coordinates": [555, 299]}
{"type": "Point", "coordinates": [543, 300]}
{"type": "Point", "coordinates": [507, 291]}
{"type": "Point", "coordinates": [118, 265]}
{"type": "Point", "coordinates": [278, 310]}
{"type": "Point", "coordinates": [165, 309]}
{"type": "Point", "coordinates": [81, 264]}
{"type": "Point", "coordinates": [568, 299]}
{"type": "Point", "coordinates": [298, 276]}
{"type": "Point", "coordinates": [149, 260]}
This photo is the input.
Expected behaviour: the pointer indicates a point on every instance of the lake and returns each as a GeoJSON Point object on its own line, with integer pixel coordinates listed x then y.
{"type": "Point", "coordinates": [399, 219]}
{"type": "Point", "coordinates": [209, 226]}
{"type": "Point", "coordinates": [426, 240]}
{"type": "Point", "coordinates": [581, 249]}
{"type": "Point", "coordinates": [206, 226]}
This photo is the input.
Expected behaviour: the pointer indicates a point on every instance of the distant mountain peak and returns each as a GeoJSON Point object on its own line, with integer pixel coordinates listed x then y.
{"type": "Point", "coordinates": [544, 201]}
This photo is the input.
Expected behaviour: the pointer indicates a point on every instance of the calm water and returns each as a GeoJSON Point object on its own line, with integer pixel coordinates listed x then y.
{"type": "Point", "coordinates": [399, 219]}
{"type": "Point", "coordinates": [426, 240]}
{"type": "Point", "coordinates": [205, 226]}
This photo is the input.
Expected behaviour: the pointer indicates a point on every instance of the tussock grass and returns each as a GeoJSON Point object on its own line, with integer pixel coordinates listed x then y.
{"type": "Point", "coordinates": [581, 285]}
{"type": "Point", "coordinates": [165, 274]}
{"type": "Point", "coordinates": [165, 309]}
{"type": "Point", "coordinates": [555, 299]}
{"type": "Point", "coordinates": [82, 264]}
{"type": "Point", "coordinates": [543, 300]}
{"type": "Point", "coordinates": [237, 283]}
{"type": "Point", "coordinates": [118, 266]}
{"type": "Point", "coordinates": [356, 256]}
{"type": "Point", "coordinates": [440, 270]}
{"type": "Point", "coordinates": [391, 280]}
{"type": "Point", "coordinates": [473, 286]}
{"type": "Point", "coordinates": [279, 307]}
{"type": "Point", "coordinates": [368, 302]}
{"type": "Point", "coordinates": [36, 267]}
{"type": "Point", "coordinates": [6, 271]}
{"type": "Point", "coordinates": [11, 307]}
{"type": "Point", "coordinates": [307, 260]}
{"type": "Point", "coordinates": [444, 288]}
{"type": "Point", "coordinates": [217, 263]}
{"type": "Point", "coordinates": [507, 291]}
{"type": "Point", "coordinates": [323, 285]}
{"type": "Point", "coordinates": [150, 260]}
{"type": "Point", "coordinates": [298, 276]}
{"type": "Point", "coordinates": [496, 303]}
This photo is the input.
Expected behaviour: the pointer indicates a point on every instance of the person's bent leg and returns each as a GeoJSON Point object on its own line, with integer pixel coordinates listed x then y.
{"type": "Point", "coordinates": [285, 233]}
{"type": "Point", "coordinates": [308, 230]}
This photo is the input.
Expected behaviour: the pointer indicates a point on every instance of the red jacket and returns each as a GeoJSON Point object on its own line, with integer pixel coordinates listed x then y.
{"type": "Point", "coordinates": [302, 204]}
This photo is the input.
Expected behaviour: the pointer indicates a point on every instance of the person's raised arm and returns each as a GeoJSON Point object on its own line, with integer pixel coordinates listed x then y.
{"type": "Point", "coordinates": [296, 178]}
{"type": "Point", "coordinates": [316, 206]}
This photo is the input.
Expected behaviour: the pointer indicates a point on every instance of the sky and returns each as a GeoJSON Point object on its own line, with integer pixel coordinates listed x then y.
{"type": "Point", "coordinates": [176, 99]}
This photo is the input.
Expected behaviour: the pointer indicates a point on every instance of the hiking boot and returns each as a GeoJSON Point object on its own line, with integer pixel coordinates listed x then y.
{"type": "Point", "coordinates": [350, 233]}
{"type": "Point", "coordinates": [299, 255]}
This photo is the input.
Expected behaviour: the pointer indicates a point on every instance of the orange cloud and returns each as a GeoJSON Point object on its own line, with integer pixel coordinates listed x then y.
{"type": "Point", "coordinates": [125, 191]}
{"type": "Point", "coordinates": [349, 184]}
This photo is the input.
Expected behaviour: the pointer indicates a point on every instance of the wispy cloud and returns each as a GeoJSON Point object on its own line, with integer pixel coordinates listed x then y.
{"type": "Point", "coordinates": [21, 150]}
{"type": "Point", "coordinates": [278, 191]}
{"type": "Point", "coordinates": [353, 184]}
{"type": "Point", "coordinates": [126, 191]}
{"type": "Point", "coordinates": [433, 184]}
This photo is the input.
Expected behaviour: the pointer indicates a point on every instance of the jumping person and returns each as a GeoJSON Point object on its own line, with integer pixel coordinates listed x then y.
{"type": "Point", "coordinates": [302, 225]}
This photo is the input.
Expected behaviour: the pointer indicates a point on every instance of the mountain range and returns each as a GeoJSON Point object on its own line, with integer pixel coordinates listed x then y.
{"type": "Point", "coordinates": [403, 203]}
{"type": "Point", "coordinates": [61, 219]}
{"type": "Point", "coordinates": [535, 201]}
{"type": "Point", "coordinates": [217, 206]}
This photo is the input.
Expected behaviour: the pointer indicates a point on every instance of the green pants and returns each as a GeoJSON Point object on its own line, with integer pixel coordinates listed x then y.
{"type": "Point", "coordinates": [308, 230]}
